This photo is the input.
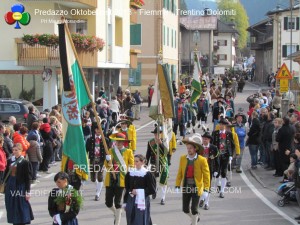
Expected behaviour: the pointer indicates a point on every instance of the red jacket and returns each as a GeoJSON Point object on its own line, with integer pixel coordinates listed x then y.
{"type": "Point", "coordinates": [45, 127]}
{"type": "Point", "coordinates": [3, 161]}
{"type": "Point", "coordinates": [18, 138]}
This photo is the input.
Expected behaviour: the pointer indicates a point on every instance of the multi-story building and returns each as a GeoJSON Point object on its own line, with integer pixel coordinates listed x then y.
{"type": "Point", "coordinates": [225, 44]}
{"type": "Point", "coordinates": [285, 26]}
{"type": "Point", "coordinates": [155, 30]}
{"type": "Point", "coordinates": [22, 65]}
{"type": "Point", "coordinates": [261, 43]}
{"type": "Point", "coordinates": [215, 41]}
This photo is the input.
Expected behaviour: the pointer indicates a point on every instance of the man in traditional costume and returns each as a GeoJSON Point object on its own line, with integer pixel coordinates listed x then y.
{"type": "Point", "coordinates": [193, 177]}
{"type": "Point", "coordinates": [96, 154]}
{"type": "Point", "coordinates": [223, 139]}
{"type": "Point", "coordinates": [127, 128]}
{"type": "Point", "coordinates": [122, 159]}
{"type": "Point", "coordinates": [163, 171]}
{"type": "Point", "coordinates": [211, 153]}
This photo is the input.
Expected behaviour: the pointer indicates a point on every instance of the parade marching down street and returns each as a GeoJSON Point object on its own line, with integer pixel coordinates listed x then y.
{"type": "Point", "coordinates": [185, 134]}
{"type": "Point", "coordinates": [250, 198]}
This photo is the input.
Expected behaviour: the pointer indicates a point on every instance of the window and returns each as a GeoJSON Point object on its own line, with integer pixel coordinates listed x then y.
{"type": "Point", "coordinates": [222, 42]}
{"type": "Point", "coordinates": [135, 34]}
{"type": "Point", "coordinates": [175, 39]}
{"type": "Point", "coordinates": [286, 50]}
{"type": "Point", "coordinates": [164, 31]}
{"type": "Point", "coordinates": [135, 76]}
{"type": "Point", "coordinates": [167, 36]}
{"type": "Point", "coordinates": [291, 23]}
{"type": "Point", "coordinates": [252, 39]}
{"type": "Point", "coordinates": [172, 38]}
{"type": "Point", "coordinates": [222, 57]}
{"type": "Point", "coordinates": [119, 31]}
{"type": "Point", "coordinates": [10, 108]}
{"type": "Point", "coordinates": [80, 28]}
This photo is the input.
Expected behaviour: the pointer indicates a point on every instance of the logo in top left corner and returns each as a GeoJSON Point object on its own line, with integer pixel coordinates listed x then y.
{"type": "Point", "coordinates": [17, 16]}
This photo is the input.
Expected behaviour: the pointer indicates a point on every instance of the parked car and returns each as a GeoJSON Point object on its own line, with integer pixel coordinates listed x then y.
{"type": "Point", "coordinates": [4, 92]}
{"type": "Point", "coordinates": [14, 107]}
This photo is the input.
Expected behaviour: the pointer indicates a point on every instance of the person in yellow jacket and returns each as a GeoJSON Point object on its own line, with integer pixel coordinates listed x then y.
{"type": "Point", "coordinates": [194, 178]}
{"type": "Point", "coordinates": [128, 129]}
{"type": "Point", "coordinates": [172, 147]}
{"type": "Point", "coordinates": [122, 159]}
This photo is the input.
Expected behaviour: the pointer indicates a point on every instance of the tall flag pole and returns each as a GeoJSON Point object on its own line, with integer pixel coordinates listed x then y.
{"type": "Point", "coordinates": [75, 96]}
{"type": "Point", "coordinates": [196, 85]}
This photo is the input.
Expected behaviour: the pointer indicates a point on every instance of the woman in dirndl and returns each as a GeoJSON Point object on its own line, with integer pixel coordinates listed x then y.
{"type": "Point", "coordinates": [64, 202]}
{"type": "Point", "coordinates": [17, 189]}
{"type": "Point", "coordinates": [139, 185]}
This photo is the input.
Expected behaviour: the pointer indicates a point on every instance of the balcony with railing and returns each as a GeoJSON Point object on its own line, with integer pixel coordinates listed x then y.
{"type": "Point", "coordinates": [39, 55]}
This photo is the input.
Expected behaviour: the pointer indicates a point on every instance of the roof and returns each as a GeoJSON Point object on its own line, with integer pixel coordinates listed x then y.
{"type": "Point", "coordinates": [226, 27]}
{"type": "Point", "coordinates": [199, 22]}
{"type": "Point", "coordinates": [262, 22]}
{"type": "Point", "coordinates": [279, 10]}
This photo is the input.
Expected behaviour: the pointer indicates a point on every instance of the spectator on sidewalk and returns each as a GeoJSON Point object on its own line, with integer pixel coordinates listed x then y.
{"type": "Point", "coordinates": [277, 125]}
{"type": "Point", "coordinates": [137, 107]}
{"type": "Point", "coordinates": [241, 132]}
{"type": "Point", "coordinates": [34, 157]}
{"type": "Point", "coordinates": [254, 139]}
{"type": "Point", "coordinates": [8, 143]}
{"type": "Point", "coordinates": [3, 160]}
{"type": "Point", "coordinates": [297, 179]}
{"type": "Point", "coordinates": [285, 139]}
{"type": "Point", "coordinates": [32, 117]}
{"type": "Point", "coordinates": [267, 132]}
{"type": "Point", "coordinates": [20, 137]}
{"type": "Point", "coordinates": [114, 106]}
{"type": "Point", "coordinates": [276, 102]}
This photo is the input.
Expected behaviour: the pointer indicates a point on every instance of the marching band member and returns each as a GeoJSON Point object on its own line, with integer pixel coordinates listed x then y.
{"type": "Point", "coordinates": [211, 153]}
{"type": "Point", "coordinates": [163, 170]}
{"type": "Point", "coordinates": [193, 176]}
{"type": "Point", "coordinates": [96, 154]}
{"type": "Point", "coordinates": [122, 159]}
{"type": "Point", "coordinates": [203, 109]}
{"type": "Point", "coordinates": [223, 139]}
{"type": "Point", "coordinates": [128, 129]}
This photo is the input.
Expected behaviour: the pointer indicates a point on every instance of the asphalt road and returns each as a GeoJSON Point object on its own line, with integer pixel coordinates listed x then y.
{"type": "Point", "coordinates": [250, 200]}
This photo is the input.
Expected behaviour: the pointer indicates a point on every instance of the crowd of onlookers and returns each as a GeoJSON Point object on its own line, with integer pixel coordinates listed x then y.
{"type": "Point", "coordinates": [273, 136]}
{"type": "Point", "coordinates": [39, 141]}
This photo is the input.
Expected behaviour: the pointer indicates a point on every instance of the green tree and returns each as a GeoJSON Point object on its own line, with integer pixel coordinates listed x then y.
{"type": "Point", "coordinates": [240, 18]}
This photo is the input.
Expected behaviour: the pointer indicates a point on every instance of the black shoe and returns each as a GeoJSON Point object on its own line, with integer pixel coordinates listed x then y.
{"type": "Point", "coordinates": [297, 218]}
{"type": "Point", "coordinates": [154, 196]}
{"type": "Point", "coordinates": [238, 171]}
{"type": "Point", "coordinates": [228, 184]}
{"type": "Point", "coordinates": [194, 130]}
{"type": "Point", "coordinates": [221, 195]}
{"type": "Point", "coordinates": [201, 203]}
{"type": "Point", "coordinates": [97, 198]}
{"type": "Point", "coordinates": [206, 207]}
{"type": "Point", "coordinates": [277, 175]}
{"type": "Point", "coordinates": [162, 202]}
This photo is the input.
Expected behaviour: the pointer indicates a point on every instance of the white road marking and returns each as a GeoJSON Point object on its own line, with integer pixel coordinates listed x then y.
{"type": "Point", "coordinates": [1, 214]}
{"type": "Point", "coordinates": [49, 175]}
{"type": "Point", "coordinates": [265, 200]}
{"type": "Point", "coordinates": [147, 124]}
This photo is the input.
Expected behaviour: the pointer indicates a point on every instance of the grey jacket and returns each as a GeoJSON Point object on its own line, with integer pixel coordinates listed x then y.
{"type": "Point", "coordinates": [34, 152]}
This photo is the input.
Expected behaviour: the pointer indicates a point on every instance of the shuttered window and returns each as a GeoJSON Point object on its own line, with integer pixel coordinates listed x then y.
{"type": "Point", "coordinates": [135, 34]}
{"type": "Point", "coordinates": [135, 76]}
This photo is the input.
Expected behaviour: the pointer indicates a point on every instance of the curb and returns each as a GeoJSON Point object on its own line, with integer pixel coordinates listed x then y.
{"type": "Point", "coordinates": [254, 175]}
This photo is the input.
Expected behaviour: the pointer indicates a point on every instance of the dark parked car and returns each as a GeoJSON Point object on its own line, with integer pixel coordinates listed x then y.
{"type": "Point", "coordinates": [14, 107]}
